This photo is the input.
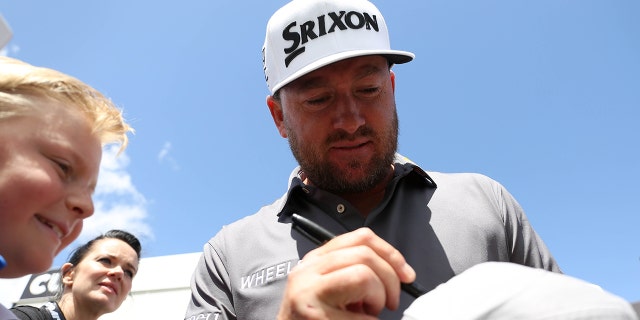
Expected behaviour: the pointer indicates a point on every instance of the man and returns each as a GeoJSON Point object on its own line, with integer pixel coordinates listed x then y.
{"type": "Point", "coordinates": [328, 67]}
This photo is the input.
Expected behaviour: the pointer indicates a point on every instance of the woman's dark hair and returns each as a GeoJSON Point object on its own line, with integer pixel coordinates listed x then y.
{"type": "Point", "coordinates": [81, 252]}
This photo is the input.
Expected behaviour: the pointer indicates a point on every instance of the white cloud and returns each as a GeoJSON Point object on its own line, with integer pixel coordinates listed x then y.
{"type": "Point", "coordinates": [9, 50]}
{"type": "Point", "coordinates": [165, 155]}
{"type": "Point", "coordinates": [165, 151]}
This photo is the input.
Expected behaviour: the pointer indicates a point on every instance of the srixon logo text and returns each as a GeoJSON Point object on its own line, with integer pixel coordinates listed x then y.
{"type": "Point", "coordinates": [324, 24]}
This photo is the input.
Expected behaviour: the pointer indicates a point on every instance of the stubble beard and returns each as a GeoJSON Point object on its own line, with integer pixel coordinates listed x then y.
{"type": "Point", "coordinates": [330, 177]}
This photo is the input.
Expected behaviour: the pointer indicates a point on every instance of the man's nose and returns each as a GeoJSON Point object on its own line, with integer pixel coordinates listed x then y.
{"type": "Point", "coordinates": [349, 116]}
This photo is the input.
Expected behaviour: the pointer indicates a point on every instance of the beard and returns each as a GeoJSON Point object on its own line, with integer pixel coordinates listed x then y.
{"type": "Point", "coordinates": [330, 177]}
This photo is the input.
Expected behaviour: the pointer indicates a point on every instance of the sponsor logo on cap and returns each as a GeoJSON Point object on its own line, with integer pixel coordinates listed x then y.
{"type": "Point", "coordinates": [321, 26]}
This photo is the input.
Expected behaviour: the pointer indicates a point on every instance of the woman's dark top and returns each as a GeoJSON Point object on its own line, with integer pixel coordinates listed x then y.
{"type": "Point", "coordinates": [49, 311]}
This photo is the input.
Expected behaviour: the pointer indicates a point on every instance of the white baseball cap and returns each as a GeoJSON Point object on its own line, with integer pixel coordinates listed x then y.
{"type": "Point", "coordinates": [306, 35]}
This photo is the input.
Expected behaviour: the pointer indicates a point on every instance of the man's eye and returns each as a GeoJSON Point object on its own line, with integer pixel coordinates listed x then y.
{"type": "Point", "coordinates": [317, 100]}
{"type": "Point", "coordinates": [129, 273]}
{"type": "Point", "coordinates": [371, 90]}
{"type": "Point", "coordinates": [317, 103]}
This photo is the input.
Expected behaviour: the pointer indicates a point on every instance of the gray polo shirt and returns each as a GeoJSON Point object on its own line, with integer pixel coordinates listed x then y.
{"type": "Point", "coordinates": [440, 229]}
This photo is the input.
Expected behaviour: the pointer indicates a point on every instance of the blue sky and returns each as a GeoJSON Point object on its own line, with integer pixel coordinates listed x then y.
{"type": "Point", "coordinates": [543, 96]}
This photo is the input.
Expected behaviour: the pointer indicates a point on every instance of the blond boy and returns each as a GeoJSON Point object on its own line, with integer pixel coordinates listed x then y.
{"type": "Point", "coordinates": [52, 130]}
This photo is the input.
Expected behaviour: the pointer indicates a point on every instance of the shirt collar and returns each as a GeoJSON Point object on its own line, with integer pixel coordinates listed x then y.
{"type": "Point", "coordinates": [403, 167]}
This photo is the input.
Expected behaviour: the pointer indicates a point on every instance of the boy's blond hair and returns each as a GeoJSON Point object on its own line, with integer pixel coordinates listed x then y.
{"type": "Point", "coordinates": [20, 82]}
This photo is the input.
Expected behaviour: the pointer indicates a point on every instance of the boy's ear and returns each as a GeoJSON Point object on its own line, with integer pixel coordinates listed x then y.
{"type": "Point", "coordinates": [67, 272]}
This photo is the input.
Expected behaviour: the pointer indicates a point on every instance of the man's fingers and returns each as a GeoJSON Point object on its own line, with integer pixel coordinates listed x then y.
{"type": "Point", "coordinates": [357, 286]}
{"type": "Point", "coordinates": [362, 263]}
{"type": "Point", "coordinates": [366, 237]}
{"type": "Point", "coordinates": [353, 276]}
{"type": "Point", "coordinates": [351, 293]}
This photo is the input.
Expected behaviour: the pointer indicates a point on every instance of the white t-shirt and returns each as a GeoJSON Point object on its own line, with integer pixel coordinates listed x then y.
{"type": "Point", "coordinates": [505, 291]}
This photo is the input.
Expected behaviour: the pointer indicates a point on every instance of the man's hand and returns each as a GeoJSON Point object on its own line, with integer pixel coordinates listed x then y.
{"type": "Point", "coordinates": [353, 276]}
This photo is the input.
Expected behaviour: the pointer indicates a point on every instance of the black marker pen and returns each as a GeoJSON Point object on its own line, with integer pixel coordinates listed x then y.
{"type": "Point", "coordinates": [320, 235]}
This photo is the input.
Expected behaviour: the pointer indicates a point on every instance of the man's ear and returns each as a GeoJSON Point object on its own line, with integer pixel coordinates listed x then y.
{"type": "Point", "coordinates": [393, 80]}
{"type": "Point", "coordinates": [275, 107]}
{"type": "Point", "coordinates": [67, 272]}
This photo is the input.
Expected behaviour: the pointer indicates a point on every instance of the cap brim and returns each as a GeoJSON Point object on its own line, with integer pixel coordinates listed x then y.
{"type": "Point", "coordinates": [395, 56]}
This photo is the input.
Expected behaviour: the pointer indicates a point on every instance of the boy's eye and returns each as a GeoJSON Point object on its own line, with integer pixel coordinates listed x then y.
{"type": "Point", "coordinates": [63, 166]}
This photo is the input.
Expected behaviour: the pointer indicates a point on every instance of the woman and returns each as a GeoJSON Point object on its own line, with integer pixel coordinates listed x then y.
{"type": "Point", "coordinates": [95, 281]}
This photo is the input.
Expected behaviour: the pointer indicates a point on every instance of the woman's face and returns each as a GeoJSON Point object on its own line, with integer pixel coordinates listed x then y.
{"type": "Point", "coordinates": [102, 280]}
